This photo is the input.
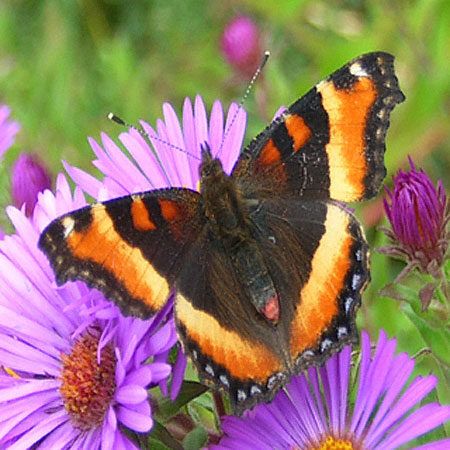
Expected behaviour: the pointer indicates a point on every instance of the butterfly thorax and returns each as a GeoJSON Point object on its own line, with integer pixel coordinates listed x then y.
{"type": "Point", "coordinates": [227, 215]}
{"type": "Point", "coordinates": [222, 204]}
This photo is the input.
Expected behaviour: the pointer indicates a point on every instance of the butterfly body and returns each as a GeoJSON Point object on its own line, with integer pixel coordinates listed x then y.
{"type": "Point", "coordinates": [228, 217]}
{"type": "Point", "coordinates": [267, 263]}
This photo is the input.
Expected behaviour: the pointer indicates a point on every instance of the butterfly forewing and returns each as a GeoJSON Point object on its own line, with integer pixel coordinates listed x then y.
{"type": "Point", "coordinates": [131, 248]}
{"type": "Point", "coordinates": [331, 142]}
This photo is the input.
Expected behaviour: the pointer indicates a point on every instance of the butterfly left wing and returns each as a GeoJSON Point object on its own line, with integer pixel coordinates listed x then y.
{"type": "Point", "coordinates": [232, 346]}
{"type": "Point", "coordinates": [130, 248]}
{"type": "Point", "coordinates": [331, 142]}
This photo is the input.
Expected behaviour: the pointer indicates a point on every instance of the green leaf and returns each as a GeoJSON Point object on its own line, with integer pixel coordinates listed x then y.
{"type": "Point", "coordinates": [161, 439]}
{"type": "Point", "coordinates": [437, 338]}
{"type": "Point", "coordinates": [196, 439]}
{"type": "Point", "coordinates": [168, 408]}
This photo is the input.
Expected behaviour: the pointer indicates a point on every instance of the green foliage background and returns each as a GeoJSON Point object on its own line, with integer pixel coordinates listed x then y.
{"type": "Point", "coordinates": [65, 64]}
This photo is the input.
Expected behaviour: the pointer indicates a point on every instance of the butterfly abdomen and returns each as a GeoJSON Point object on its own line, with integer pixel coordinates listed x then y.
{"type": "Point", "coordinates": [227, 216]}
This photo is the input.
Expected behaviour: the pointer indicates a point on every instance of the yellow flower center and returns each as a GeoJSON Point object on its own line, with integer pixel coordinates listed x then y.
{"type": "Point", "coordinates": [333, 443]}
{"type": "Point", "coordinates": [87, 385]}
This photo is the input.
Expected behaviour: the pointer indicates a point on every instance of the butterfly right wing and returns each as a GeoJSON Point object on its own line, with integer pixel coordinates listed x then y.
{"type": "Point", "coordinates": [130, 248]}
{"type": "Point", "coordinates": [331, 142]}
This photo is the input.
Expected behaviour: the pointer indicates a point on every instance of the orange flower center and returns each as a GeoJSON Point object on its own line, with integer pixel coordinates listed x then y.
{"type": "Point", "coordinates": [333, 443]}
{"type": "Point", "coordinates": [87, 385]}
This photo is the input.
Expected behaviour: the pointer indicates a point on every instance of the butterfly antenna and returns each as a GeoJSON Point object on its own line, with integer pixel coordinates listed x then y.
{"type": "Point", "coordinates": [246, 94]}
{"type": "Point", "coordinates": [114, 118]}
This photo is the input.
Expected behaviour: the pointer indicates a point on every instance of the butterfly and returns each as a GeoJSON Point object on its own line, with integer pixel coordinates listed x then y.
{"type": "Point", "coordinates": [267, 263]}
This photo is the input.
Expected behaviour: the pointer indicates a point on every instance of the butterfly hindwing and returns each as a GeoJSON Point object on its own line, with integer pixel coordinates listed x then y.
{"type": "Point", "coordinates": [331, 142]}
{"type": "Point", "coordinates": [318, 259]}
{"type": "Point", "coordinates": [232, 346]}
{"type": "Point", "coordinates": [130, 248]}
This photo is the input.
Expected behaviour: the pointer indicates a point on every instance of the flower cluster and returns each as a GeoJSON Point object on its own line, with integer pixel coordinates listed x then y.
{"type": "Point", "coordinates": [73, 368]}
{"type": "Point", "coordinates": [75, 373]}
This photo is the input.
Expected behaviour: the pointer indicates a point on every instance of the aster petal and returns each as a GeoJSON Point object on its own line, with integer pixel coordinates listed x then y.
{"type": "Point", "coordinates": [16, 322]}
{"type": "Point", "coordinates": [235, 126]}
{"type": "Point", "coordinates": [131, 394]}
{"type": "Point", "coordinates": [201, 123]}
{"type": "Point", "coordinates": [330, 377]}
{"type": "Point", "coordinates": [62, 437]}
{"type": "Point", "coordinates": [344, 358]}
{"type": "Point", "coordinates": [85, 181]}
{"type": "Point", "coordinates": [418, 389]}
{"type": "Point", "coordinates": [305, 400]}
{"type": "Point", "coordinates": [443, 444]}
{"type": "Point", "coordinates": [45, 426]}
{"type": "Point", "coordinates": [111, 418]}
{"type": "Point", "coordinates": [178, 374]}
{"type": "Point", "coordinates": [109, 437]}
{"type": "Point", "coordinates": [133, 420]}
{"type": "Point", "coordinates": [419, 422]}
{"type": "Point", "coordinates": [190, 140]}
{"type": "Point", "coordinates": [21, 357]}
{"type": "Point", "coordinates": [31, 407]}
{"type": "Point", "coordinates": [160, 371]}
{"type": "Point", "coordinates": [162, 164]}
{"type": "Point", "coordinates": [144, 156]}
{"type": "Point", "coordinates": [363, 374]}
{"type": "Point", "coordinates": [376, 380]}
{"type": "Point", "coordinates": [142, 376]}
{"type": "Point", "coordinates": [124, 171]}
{"type": "Point", "coordinates": [401, 369]}
{"type": "Point", "coordinates": [180, 160]}
{"type": "Point", "coordinates": [216, 127]}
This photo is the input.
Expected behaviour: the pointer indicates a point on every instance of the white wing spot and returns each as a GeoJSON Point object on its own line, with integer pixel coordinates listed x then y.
{"type": "Point", "coordinates": [209, 369]}
{"type": "Point", "coordinates": [348, 304]}
{"type": "Point", "coordinates": [68, 224]}
{"type": "Point", "coordinates": [342, 331]}
{"type": "Point", "coordinates": [357, 70]}
{"type": "Point", "coordinates": [241, 395]}
{"type": "Point", "coordinates": [326, 343]}
{"type": "Point", "coordinates": [356, 280]}
{"type": "Point", "coordinates": [224, 380]}
{"type": "Point", "coordinates": [255, 390]}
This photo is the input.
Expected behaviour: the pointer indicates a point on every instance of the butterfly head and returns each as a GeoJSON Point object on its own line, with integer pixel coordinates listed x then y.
{"type": "Point", "coordinates": [210, 167]}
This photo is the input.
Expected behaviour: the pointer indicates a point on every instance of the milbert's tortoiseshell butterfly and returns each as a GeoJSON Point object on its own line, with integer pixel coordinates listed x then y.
{"type": "Point", "coordinates": [267, 264]}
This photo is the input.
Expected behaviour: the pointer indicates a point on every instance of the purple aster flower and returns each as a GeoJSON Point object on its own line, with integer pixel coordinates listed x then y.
{"type": "Point", "coordinates": [417, 211]}
{"type": "Point", "coordinates": [28, 178]}
{"type": "Point", "coordinates": [314, 412]}
{"type": "Point", "coordinates": [8, 130]}
{"type": "Point", "coordinates": [75, 373]}
{"type": "Point", "coordinates": [241, 45]}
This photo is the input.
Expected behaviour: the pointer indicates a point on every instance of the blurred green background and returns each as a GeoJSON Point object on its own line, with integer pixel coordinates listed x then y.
{"type": "Point", "coordinates": [65, 64]}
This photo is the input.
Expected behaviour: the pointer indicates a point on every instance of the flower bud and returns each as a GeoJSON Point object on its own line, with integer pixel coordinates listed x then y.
{"type": "Point", "coordinates": [241, 45]}
{"type": "Point", "coordinates": [417, 211]}
{"type": "Point", "coordinates": [28, 178]}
